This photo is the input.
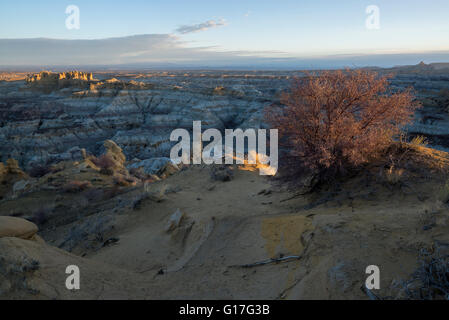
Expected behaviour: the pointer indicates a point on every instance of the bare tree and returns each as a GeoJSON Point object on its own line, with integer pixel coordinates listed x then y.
{"type": "Point", "coordinates": [336, 120]}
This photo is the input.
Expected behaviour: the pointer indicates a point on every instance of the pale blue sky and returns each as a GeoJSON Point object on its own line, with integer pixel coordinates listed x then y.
{"type": "Point", "coordinates": [282, 28]}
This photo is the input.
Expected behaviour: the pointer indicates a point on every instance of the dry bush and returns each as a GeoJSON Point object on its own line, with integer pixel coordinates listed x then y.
{"type": "Point", "coordinates": [89, 234]}
{"type": "Point", "coordinates": [107, 172]}
{"type": "Point", "coordinates": [443, 193]}
{"type": "Point", "coordinates": [41, 215]}
{"type": "Point", "coordinates": [394, 176]}
{"type": "Point", "coordinates": [419, 141]}
{"type": "Point", "coordinates": [76, 186]}
{"type": "Point", "coordinates": [398, 155]}
{"type": "Point", "coordinates": [431, 280]}
{"type": "Point", "coordinates": [222, 173]}
{"type": "Point", "coordinates": [39, 171]}
{"type": "Point", "coordinates": [105, 163]}
{"type": "Point", "coordinates": [95, 194]}
{"type": "Point", "coordinates": [443, 98]}
{"type": "Point", "coordinates": [138, 173]}
{"type": "Point", "coordinates": [337, 120]}
{"type": "Point", "coordinates": [124, 181]}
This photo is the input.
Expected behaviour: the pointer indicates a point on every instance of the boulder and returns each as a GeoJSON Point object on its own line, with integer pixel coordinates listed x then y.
{"type": "Point", "coordinates": [174, 221]}
{"type": "Point", "coordinates": [17, 228]}
{"type": "Point", "coordinates": [20, 186]}
{"type": "Point", "coordinates": [169, 169]}
{"type": "Point", "coordinates": [155, 166]}
{"type": "Point", "coordinates": [222, 173]}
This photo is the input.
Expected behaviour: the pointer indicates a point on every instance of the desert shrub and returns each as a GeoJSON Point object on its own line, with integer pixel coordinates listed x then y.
{"type": "Point", "coordinates": [124, 181]}
{"type": "Point", "coordinates": [107, 172]}
{"type": "Point", "coordinates": [443, 193]}
{"type": "Point", "coordinates": [41, 215]}
{"type": "Point", "coordinates": [76, 186]}
{"type": "Point", "coordinates": [443, 98]}
{"type": "Point", "coordinates": [137, 201]}
{"type": "Point", "coordinates": [337, 120]}
{"type": "Point", "coordinates": [95, 194]}
{"type": "Point", "coordinates": [161, 149]}
{"type": "Point", "coordinates": [419, 141]}
{"type": "Point", "coordinates": [94, 227]}
{"type": "Point", "coordinates": [111, 192]}
{"type": "Point", "coordinates": [138, 173]}
{"type": "Point", "coordinates": [39, 171]}
{"type": "Point", "coordinates": [219, 90]}
{"type": "Point", "coordinates": [120, 181]}
{"type": "Point", "coordinates": [431, 280]}
{"type": "Point", "coordinates": [222, 173]}
{"type": "Point", "coordinates": [104, 162]}
{"type": "Point", "coordinates": [394, 172]}
{"type": "Point", "coordinates": [393, 176]}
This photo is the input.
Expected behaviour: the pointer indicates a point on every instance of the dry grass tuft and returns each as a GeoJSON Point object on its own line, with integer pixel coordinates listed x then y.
{"type": "Point", "coordinates": [76, 186]}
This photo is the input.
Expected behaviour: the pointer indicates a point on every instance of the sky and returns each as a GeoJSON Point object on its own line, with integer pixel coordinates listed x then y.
{"type": "Point", "coordinates": [231, 32]}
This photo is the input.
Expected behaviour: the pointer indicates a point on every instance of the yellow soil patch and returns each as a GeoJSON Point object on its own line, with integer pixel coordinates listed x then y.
{"type": "Point", "coordinates": [284, 233]}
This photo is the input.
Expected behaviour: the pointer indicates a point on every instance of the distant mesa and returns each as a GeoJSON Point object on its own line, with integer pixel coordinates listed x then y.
{"type": "Point", "coordinates": [50, 76]}
{"type": "Point", "coordinates": [48, 81]}
{"type": "Point", "coordinates": [420, 68]}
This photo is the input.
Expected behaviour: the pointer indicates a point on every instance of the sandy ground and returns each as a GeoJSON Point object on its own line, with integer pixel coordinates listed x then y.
{"type": "Point", "coordinates": [231, 224]}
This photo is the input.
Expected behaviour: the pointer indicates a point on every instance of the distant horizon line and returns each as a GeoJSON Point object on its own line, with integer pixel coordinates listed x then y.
{"type": "Point", "coordinates": [172, 67]}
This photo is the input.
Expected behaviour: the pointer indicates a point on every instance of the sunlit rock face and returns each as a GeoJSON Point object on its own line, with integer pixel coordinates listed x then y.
{"type": "Point", "coordinates": [46, 117]}
{"type": "Point", "coordinates": [47, 76]}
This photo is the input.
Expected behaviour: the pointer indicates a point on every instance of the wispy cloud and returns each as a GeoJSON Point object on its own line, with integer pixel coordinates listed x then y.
{"type": "Point", "coordinates": [147, 48]}
{"type": "Point", "coordinates": [201, 26]}
{"type": "Point", "coordinates": [162, 50]}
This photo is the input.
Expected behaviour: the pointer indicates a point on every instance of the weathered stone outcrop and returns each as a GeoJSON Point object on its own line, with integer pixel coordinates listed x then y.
{"type": "Point", "coordinates": [2, 171]}
{"type": "Point", "coordinates": [115, 153]}
{"type": "Point", "coordinates": [10, 175]}
{"type": "Point", "coordinates": [54, 77]}
{"type": "Point", "coordinates": [12, 167]}
{"type": "Point", "coordinates": [11, 171]}
{"type": "Point", "coordinates": [17, 228]}
{"type": "Point", "coordinates": [47, 82]}
{"type": "Point", "coordinates": [155, 166]}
